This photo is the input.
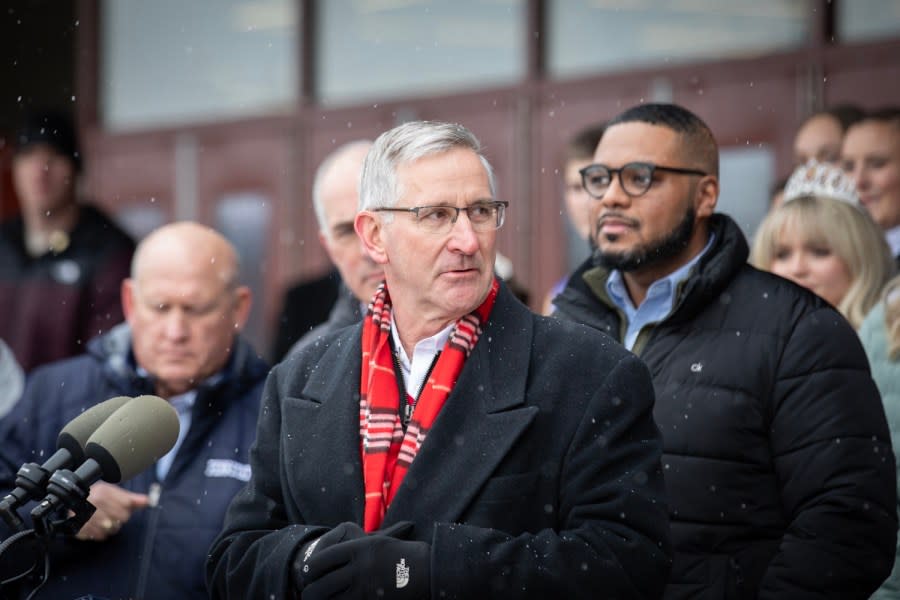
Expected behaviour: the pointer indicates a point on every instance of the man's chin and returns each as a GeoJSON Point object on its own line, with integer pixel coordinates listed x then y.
{"type": "Point", "coordinates": [176, 381]}
{"type": "Point", "coordinates": [366, 292]}
{"type": "Point", "coordinates": [367, 286]}
{"type": "Point", "coordinates": [617, 260]}
{"type": "Point", "coordinates": [467, 295]}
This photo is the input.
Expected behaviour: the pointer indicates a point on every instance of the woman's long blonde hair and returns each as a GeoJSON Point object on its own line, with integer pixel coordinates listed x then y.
{"type": "Point", "coordinates": [892, 317]}
{"type": "Point", "coordinates": [848, 231]}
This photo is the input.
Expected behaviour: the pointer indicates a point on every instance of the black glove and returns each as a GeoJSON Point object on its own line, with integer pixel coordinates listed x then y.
{"type": "Point", "coordinates": [300, 564]}
{"type": "Point", "coordinates": [375, 566]}
{"type": "Point", "coordinates": [400, 530]}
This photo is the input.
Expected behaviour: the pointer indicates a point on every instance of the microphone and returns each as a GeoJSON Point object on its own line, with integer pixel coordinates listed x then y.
{"type": "Point", "coordinates": [132, 439]}
{"type": "Point", "coordinates": [31, 479]}
{"type": "Point", "coordinates": [126, 443]}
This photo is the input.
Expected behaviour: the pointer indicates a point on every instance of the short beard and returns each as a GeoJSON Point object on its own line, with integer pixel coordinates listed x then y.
{"type": "Point", "coordinates": [652, 253]}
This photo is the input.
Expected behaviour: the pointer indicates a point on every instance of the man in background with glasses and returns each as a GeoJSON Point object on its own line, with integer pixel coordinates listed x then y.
{"type": "Point", "coordinates": [453, 444]}
{"type": "Point", "coordinates": [777, 457]}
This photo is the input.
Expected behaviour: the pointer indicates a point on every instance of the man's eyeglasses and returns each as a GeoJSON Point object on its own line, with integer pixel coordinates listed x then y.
{"type": "Point", "coordinates": [635, 177]}
{"type": "Point", "coordinates": [484, 216]}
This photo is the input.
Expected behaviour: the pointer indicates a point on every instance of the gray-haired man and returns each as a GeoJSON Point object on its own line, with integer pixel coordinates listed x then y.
{"type": "Point", "coordinates": [453, 444]}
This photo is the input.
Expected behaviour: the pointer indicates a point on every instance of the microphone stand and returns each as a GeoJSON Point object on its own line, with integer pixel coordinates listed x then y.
{"type": "Point", "coordinates": [66, 491]}
{"type": "Point", "coordinates": [11, 517]}
{"type": "Point", "coordinates": [64, 510]}
{"type": "Point", "coordinates": [30, 482]}
{"type": "Point", "coordinates": [42, 547]}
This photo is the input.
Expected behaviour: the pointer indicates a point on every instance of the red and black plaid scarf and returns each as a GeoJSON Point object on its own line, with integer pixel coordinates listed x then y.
{"type": "Point", "coordinates": [386, 451]}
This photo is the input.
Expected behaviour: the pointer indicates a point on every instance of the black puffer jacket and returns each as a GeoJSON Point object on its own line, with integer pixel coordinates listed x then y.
{"type": "Point", "coordinates": [777, 455]}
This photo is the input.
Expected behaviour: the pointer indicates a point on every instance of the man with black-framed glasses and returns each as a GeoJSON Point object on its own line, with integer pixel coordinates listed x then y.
{"type": "Point", "coordinates": [454, 444]}
{"type": "Point", "coordinates": [777, 457]}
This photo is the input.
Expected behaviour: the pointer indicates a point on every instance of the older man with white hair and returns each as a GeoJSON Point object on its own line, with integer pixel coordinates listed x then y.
{"type": "Point", "coordinates": [335, 195]}
{"type": "Point", "coordinates": [452, 444]}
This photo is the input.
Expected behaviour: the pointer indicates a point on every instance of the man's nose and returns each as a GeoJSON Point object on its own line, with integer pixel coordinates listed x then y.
{"type": "Point", "coordinates": [463, 238]}
{"type": "Point", "coordinates": [615, 195]}
{"type": "Point", "coordinates": [175, 325]}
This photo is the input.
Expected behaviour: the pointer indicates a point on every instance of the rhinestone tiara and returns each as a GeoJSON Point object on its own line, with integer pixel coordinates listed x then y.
{"type": "Point", "coordinates": [822, 180]}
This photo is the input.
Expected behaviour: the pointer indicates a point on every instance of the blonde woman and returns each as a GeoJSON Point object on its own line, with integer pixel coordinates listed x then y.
{"type": "Point", "coordinates": [892, 319]}
{"type": "Point", "coordinates": [880, 336]}
{"type": "Point", "coordinates": [822, 239]}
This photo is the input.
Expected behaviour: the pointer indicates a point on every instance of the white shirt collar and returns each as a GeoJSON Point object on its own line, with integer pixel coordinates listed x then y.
{"type": "Point", "coordinates": [416, 369]}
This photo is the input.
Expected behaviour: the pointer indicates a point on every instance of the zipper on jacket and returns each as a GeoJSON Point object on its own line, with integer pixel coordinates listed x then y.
{"type": "Point", "coordinates": [643, 336]}
{"type": "Point", "coordinates": [154, 494]}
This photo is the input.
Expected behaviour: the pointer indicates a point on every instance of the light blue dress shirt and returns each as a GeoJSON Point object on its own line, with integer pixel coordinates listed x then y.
{"type": "Point", "coordinates": [183, 405]}
{"type": "Point", "coordinates": [658, 303]}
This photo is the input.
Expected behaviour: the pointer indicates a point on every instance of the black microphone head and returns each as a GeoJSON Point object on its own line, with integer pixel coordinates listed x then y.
{"type": "Point", "coordinates": [75, 434]}
{"type": "Point", "coordinates": [133, 437]}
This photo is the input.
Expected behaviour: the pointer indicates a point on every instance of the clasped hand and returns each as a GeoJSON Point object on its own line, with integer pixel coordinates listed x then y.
{"type": "Point", "coordinates": [348, 563]}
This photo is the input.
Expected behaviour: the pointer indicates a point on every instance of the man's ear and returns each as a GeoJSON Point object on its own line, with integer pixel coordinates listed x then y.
{"type": "Point", "coordinates": [243, 300]}
{"type": "Point", "coordinates": [707, 196]}
{"type": "Point", "coordinates": [370, 230]}
{"type": "Point", "coordinates": [126, 291]}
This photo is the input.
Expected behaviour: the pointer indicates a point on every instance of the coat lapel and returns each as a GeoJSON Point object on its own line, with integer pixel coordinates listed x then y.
{"type": "Point", "coordinates": [480, 422]}
{"type": "Point", "coordinates": [321, 437]}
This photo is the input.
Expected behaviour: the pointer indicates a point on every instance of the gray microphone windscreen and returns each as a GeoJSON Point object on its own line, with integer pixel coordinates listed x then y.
{"type": "Point", "coordinates": [133, 437]}
{"type": "Point", "coordinates": [75, 434]}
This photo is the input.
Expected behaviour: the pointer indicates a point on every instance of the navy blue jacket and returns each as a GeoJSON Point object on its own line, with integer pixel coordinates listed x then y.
{"type": "Point", "coordinates": [160, 551]}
